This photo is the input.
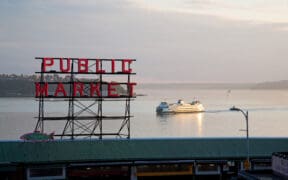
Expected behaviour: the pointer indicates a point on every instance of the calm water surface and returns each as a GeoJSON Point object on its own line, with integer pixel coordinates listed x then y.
{"type": "Point", "coordinates": [268, 114]}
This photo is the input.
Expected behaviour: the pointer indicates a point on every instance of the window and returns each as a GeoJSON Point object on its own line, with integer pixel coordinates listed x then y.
{"type": "Point", "coordinates": [46, 173]}
{"type": "Point", "coordinates": [207, 168]}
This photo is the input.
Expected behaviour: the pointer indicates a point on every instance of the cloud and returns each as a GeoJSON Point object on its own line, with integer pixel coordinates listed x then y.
{"type": "Point", "coordinates": [168, 45]}
{"type": "Point", "coordinates": [260, 11]}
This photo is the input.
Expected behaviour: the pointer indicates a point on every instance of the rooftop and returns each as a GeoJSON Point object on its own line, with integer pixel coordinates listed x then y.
{"type": "Point", "coordinates": [113, 150]}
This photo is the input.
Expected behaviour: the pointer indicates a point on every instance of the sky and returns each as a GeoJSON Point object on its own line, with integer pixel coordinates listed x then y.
{"type": "Point", "coordinates": [195, 41]}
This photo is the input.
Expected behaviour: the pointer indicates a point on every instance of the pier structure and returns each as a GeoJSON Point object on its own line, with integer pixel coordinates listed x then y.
{"type": "Point", "coordinates": [181, 158]}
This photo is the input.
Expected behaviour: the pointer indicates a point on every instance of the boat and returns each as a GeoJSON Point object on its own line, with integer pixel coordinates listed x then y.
{"type": "Point", "coordinates": [180, 107]}
{"type": "Point", "coordinates": [37, 136]}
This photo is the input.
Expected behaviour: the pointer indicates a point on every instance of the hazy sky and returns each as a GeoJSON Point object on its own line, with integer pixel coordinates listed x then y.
{"type": "Point", "coordinates": [172, 40]}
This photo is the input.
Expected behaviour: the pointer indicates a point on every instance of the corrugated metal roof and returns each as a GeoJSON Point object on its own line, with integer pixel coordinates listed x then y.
{"type": "Point", "coordinates": [138, 149]}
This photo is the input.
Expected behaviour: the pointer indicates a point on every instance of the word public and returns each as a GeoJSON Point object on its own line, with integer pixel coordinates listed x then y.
{"type": "Point", "coordinates": [64, 65]}
{"type": "Point", "coordinates": [88, 89]}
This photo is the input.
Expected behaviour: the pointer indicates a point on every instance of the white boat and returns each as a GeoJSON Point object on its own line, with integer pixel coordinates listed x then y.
{"type": "Point", "coordinates": [180, 107]}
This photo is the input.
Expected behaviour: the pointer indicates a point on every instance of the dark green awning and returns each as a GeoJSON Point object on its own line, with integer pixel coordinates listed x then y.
{"type": "Point", "coordinates": [138, 150]}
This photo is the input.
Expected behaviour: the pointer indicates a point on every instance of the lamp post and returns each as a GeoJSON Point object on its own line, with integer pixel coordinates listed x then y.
{"type": "Point", "coordinates": [247, 165]}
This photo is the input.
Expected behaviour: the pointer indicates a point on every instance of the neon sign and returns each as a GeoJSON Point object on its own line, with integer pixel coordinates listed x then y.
{"type": "Point", "coordinates": [84, 89]}
{"type": "Point", "coordinates": [85, 65]}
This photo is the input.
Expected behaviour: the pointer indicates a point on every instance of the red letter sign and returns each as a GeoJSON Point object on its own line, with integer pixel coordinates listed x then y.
{"type": "Point", "coordinates": [112, 66]}
{"type": "Point", "coordinates": [95, 88]}
{"type": "Point", "coordinates": [98, 67]}
{"type": "Point", "coordinates": [41, 90]}
{"type": "Point", "coordinates": [83, 65]}
{"type": "Point", "coordinates": [111, 89]}
{"type": "Point", "coordinates": [60, 89]}
{"type": "Point", "coordinates": [47, 62]}
{"type": "Point", "coordinates": [124, 70]}
{"type": "Point", "coordinates": [68, 65]}
{"type": "Point", "coordinates": [130, 88]}
{"type": "Point", "coordinates": [78, 87]}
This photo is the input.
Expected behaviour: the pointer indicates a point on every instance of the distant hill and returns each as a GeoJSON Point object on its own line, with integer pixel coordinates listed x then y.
{"type": "Point", "coordinates": [195, 86]}
{"type": "Point", "coordinates": [272, 85]}
{"type": "Point", "coordinates": [16, 85]}
{"type": "Point", "coordinates": [264, 85]}
{"type": "Point", "coordinates": [12, 85]}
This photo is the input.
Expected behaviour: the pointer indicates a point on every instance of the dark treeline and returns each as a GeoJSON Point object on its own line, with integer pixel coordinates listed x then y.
{"type": "Point", "coordinates": [12, 85]}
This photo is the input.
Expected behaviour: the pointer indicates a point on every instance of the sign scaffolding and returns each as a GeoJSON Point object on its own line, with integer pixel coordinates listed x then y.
{"type": "Point", "coordinates": [84, 91]}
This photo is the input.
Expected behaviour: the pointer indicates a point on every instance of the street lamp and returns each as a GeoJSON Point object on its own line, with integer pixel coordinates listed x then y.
{"type": "Point", "coordinates": [247, 165]}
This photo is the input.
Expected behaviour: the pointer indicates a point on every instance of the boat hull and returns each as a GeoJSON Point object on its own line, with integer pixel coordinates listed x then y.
{"type": "Point", "coordinates": [180, 108]}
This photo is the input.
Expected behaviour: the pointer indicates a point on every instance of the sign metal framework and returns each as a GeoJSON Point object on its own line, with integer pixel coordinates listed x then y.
{"type": "Point", "coordinates": [85, 97]}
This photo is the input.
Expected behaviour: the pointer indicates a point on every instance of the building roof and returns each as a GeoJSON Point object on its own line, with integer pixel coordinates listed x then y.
{"type": "Point", "coordinates": [108, 150]}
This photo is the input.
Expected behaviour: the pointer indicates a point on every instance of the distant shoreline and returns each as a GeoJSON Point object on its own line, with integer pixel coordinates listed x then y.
{"type": "Point", "coordinates": [23, 85]}
{"type": "Point", "coordinates": [279, 85]}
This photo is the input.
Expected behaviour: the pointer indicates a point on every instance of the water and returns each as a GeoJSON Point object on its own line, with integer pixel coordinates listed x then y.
{"type": "Point", "coordinates": [268, 113]}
